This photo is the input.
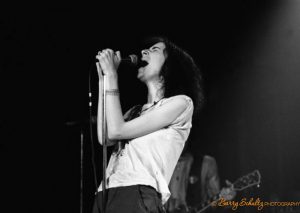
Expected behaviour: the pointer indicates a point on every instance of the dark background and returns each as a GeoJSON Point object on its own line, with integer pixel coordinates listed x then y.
{"type": "Point", "coordinates": [248, 52]}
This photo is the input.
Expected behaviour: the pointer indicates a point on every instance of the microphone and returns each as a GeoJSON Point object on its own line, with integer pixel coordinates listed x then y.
{"type": "Point", "coordinates": [131, 59]}
{"type": "Point", "coordinates": [134, 60]}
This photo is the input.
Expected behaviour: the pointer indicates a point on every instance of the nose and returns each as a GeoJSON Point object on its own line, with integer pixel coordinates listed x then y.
{"type": "Point", "coordinates": [145, 52]}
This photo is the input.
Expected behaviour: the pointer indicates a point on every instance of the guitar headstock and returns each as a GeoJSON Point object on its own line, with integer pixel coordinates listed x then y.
{"type": "Point", "coordinates": [249, 180]}
{"type": "Point", "coordinates": [246, 181]}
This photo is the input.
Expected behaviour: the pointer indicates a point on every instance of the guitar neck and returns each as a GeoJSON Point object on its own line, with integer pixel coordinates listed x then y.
{"type": "Point", "coordinates": [249, 180]}
{"type": "Point", "coordinates": [209, 201]}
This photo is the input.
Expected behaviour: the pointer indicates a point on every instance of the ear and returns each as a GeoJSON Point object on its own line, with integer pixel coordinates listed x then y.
{"type": "Point", "coordinates": [161, 79]}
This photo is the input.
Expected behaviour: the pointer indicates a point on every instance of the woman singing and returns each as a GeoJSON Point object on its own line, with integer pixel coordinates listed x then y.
{"type": "Point", "coordinates": [153, 135]}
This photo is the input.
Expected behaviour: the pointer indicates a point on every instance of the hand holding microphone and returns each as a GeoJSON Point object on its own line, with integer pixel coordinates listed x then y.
{"type": "Point", "coordinates": [109, 61]}
{"type": "Point", "coordinates": [132, 59]}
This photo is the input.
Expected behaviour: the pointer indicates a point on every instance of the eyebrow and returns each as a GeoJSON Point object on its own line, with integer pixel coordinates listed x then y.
{"type": "Point", "coordinates": [155, 47]}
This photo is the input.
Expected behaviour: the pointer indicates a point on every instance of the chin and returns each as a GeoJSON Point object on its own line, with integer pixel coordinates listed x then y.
{"type": "Point", "coordinates": [140, 77]}
{"type": "Point", "coordinates": [140, 73]}
{"type": "Point", "coordinates": [141, 69]}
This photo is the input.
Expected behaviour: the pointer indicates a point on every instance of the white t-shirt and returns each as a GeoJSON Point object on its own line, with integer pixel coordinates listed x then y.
{"type": "Point", "coordinates": [152, 158]}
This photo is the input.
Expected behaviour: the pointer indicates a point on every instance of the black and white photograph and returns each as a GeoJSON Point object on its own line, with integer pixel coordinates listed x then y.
{"type": "Point", "coordinates": [150, 107]}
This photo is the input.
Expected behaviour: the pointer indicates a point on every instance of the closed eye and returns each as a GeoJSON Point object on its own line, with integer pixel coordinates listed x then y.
{"type": "Point", "coordinates": [155, 48]}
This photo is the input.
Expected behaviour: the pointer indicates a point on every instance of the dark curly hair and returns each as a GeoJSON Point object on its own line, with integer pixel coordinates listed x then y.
{"type": "Point", "coordinates": [180, 73]}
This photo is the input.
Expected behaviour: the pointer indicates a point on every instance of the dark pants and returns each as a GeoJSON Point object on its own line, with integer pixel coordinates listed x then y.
{"type": "Point", "coordinates": [130, 199]}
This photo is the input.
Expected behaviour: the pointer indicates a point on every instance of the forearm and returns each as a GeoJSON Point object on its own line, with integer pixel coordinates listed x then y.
{"type": "Point", "coordinates": [100, 121]}
{"type": "Point", "coordinates": [114, 116]}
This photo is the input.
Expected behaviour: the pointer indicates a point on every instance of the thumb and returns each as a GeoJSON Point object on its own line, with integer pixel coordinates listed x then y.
{"type": "Point", "coordinates": [118, 55]}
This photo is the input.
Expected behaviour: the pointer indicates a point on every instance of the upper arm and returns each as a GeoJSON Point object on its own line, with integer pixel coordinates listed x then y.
{"type": "Point", "coordinates": [153, 120]}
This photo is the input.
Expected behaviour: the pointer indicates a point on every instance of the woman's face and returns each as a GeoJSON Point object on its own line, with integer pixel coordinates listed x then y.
{"type": "Point", "coordinates": [155, 56]}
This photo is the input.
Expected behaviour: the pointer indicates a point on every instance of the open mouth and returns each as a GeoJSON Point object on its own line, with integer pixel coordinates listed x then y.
{"type": "Point", "coordinates": [142, 63]}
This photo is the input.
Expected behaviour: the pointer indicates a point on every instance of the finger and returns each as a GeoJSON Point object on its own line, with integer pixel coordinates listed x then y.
{"type": "Point", "coordinates": [103, 52]}
{"type": "Point", "coordinates": [99, 69]}
{"type": "Point", "coordinates": [103, 56]}
{"type": "Point", "coordinates": [99, 52]}
{"type": "Point", "coordinates": [118, 55]}
{"type": "Point", "coordinates": [100, 57]}
{"type": "Point", "coordinates": [111, 54]}
{"type": "Point", "coordinates": [108, 54]}
{"type": "Point", "coordinates": [109, 51]}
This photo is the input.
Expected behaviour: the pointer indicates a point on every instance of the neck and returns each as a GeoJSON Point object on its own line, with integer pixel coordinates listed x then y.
{"type": "Point", "coordinates": [155, 93]}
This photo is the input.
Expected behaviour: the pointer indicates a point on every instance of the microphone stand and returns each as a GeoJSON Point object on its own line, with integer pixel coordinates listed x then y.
{"type": "Point", "coordinates": [79, 123]}
{"type": "Point", "coordinates": [102, 98]}
{"type": "Point", "coordinates": [81, 170]}
{"type": "Point", "coordinates": [102, 87]}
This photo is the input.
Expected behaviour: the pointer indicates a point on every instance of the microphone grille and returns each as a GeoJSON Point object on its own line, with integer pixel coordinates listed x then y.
{"type": "Point", "coordinates": [134, 59]}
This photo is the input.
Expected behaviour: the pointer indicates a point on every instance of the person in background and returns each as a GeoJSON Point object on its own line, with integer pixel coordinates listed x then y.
{"type": "Point", "coordinates": [205, 184]}
{"type": "Point", "coordinates": [196, 182]}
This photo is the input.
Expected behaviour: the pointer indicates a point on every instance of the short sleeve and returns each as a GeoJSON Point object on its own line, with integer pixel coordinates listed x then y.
{"type": "Point", "coordinates": [186, 116]}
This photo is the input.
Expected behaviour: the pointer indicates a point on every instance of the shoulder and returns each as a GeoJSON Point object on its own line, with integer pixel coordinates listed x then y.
{"type": "Point", "coordinates": [209, 159]}
{"type": "Point", "coordinates": [182, 105]}
{"type": "Point", "coordinates": [182, 101]}
{"type": "Point", "coordinates": [210, 162]}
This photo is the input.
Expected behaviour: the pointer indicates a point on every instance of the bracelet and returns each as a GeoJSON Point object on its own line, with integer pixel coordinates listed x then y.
{"type": "Point", "coordinates": [112, 92]}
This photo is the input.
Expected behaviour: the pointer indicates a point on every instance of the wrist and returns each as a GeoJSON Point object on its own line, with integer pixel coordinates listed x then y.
{"type": "Point", "coordinates": [114, 92]}
{"type": "Point", "coordinates": [111, 82]}
{"type": "Point", "coordinates": [112, 74]}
